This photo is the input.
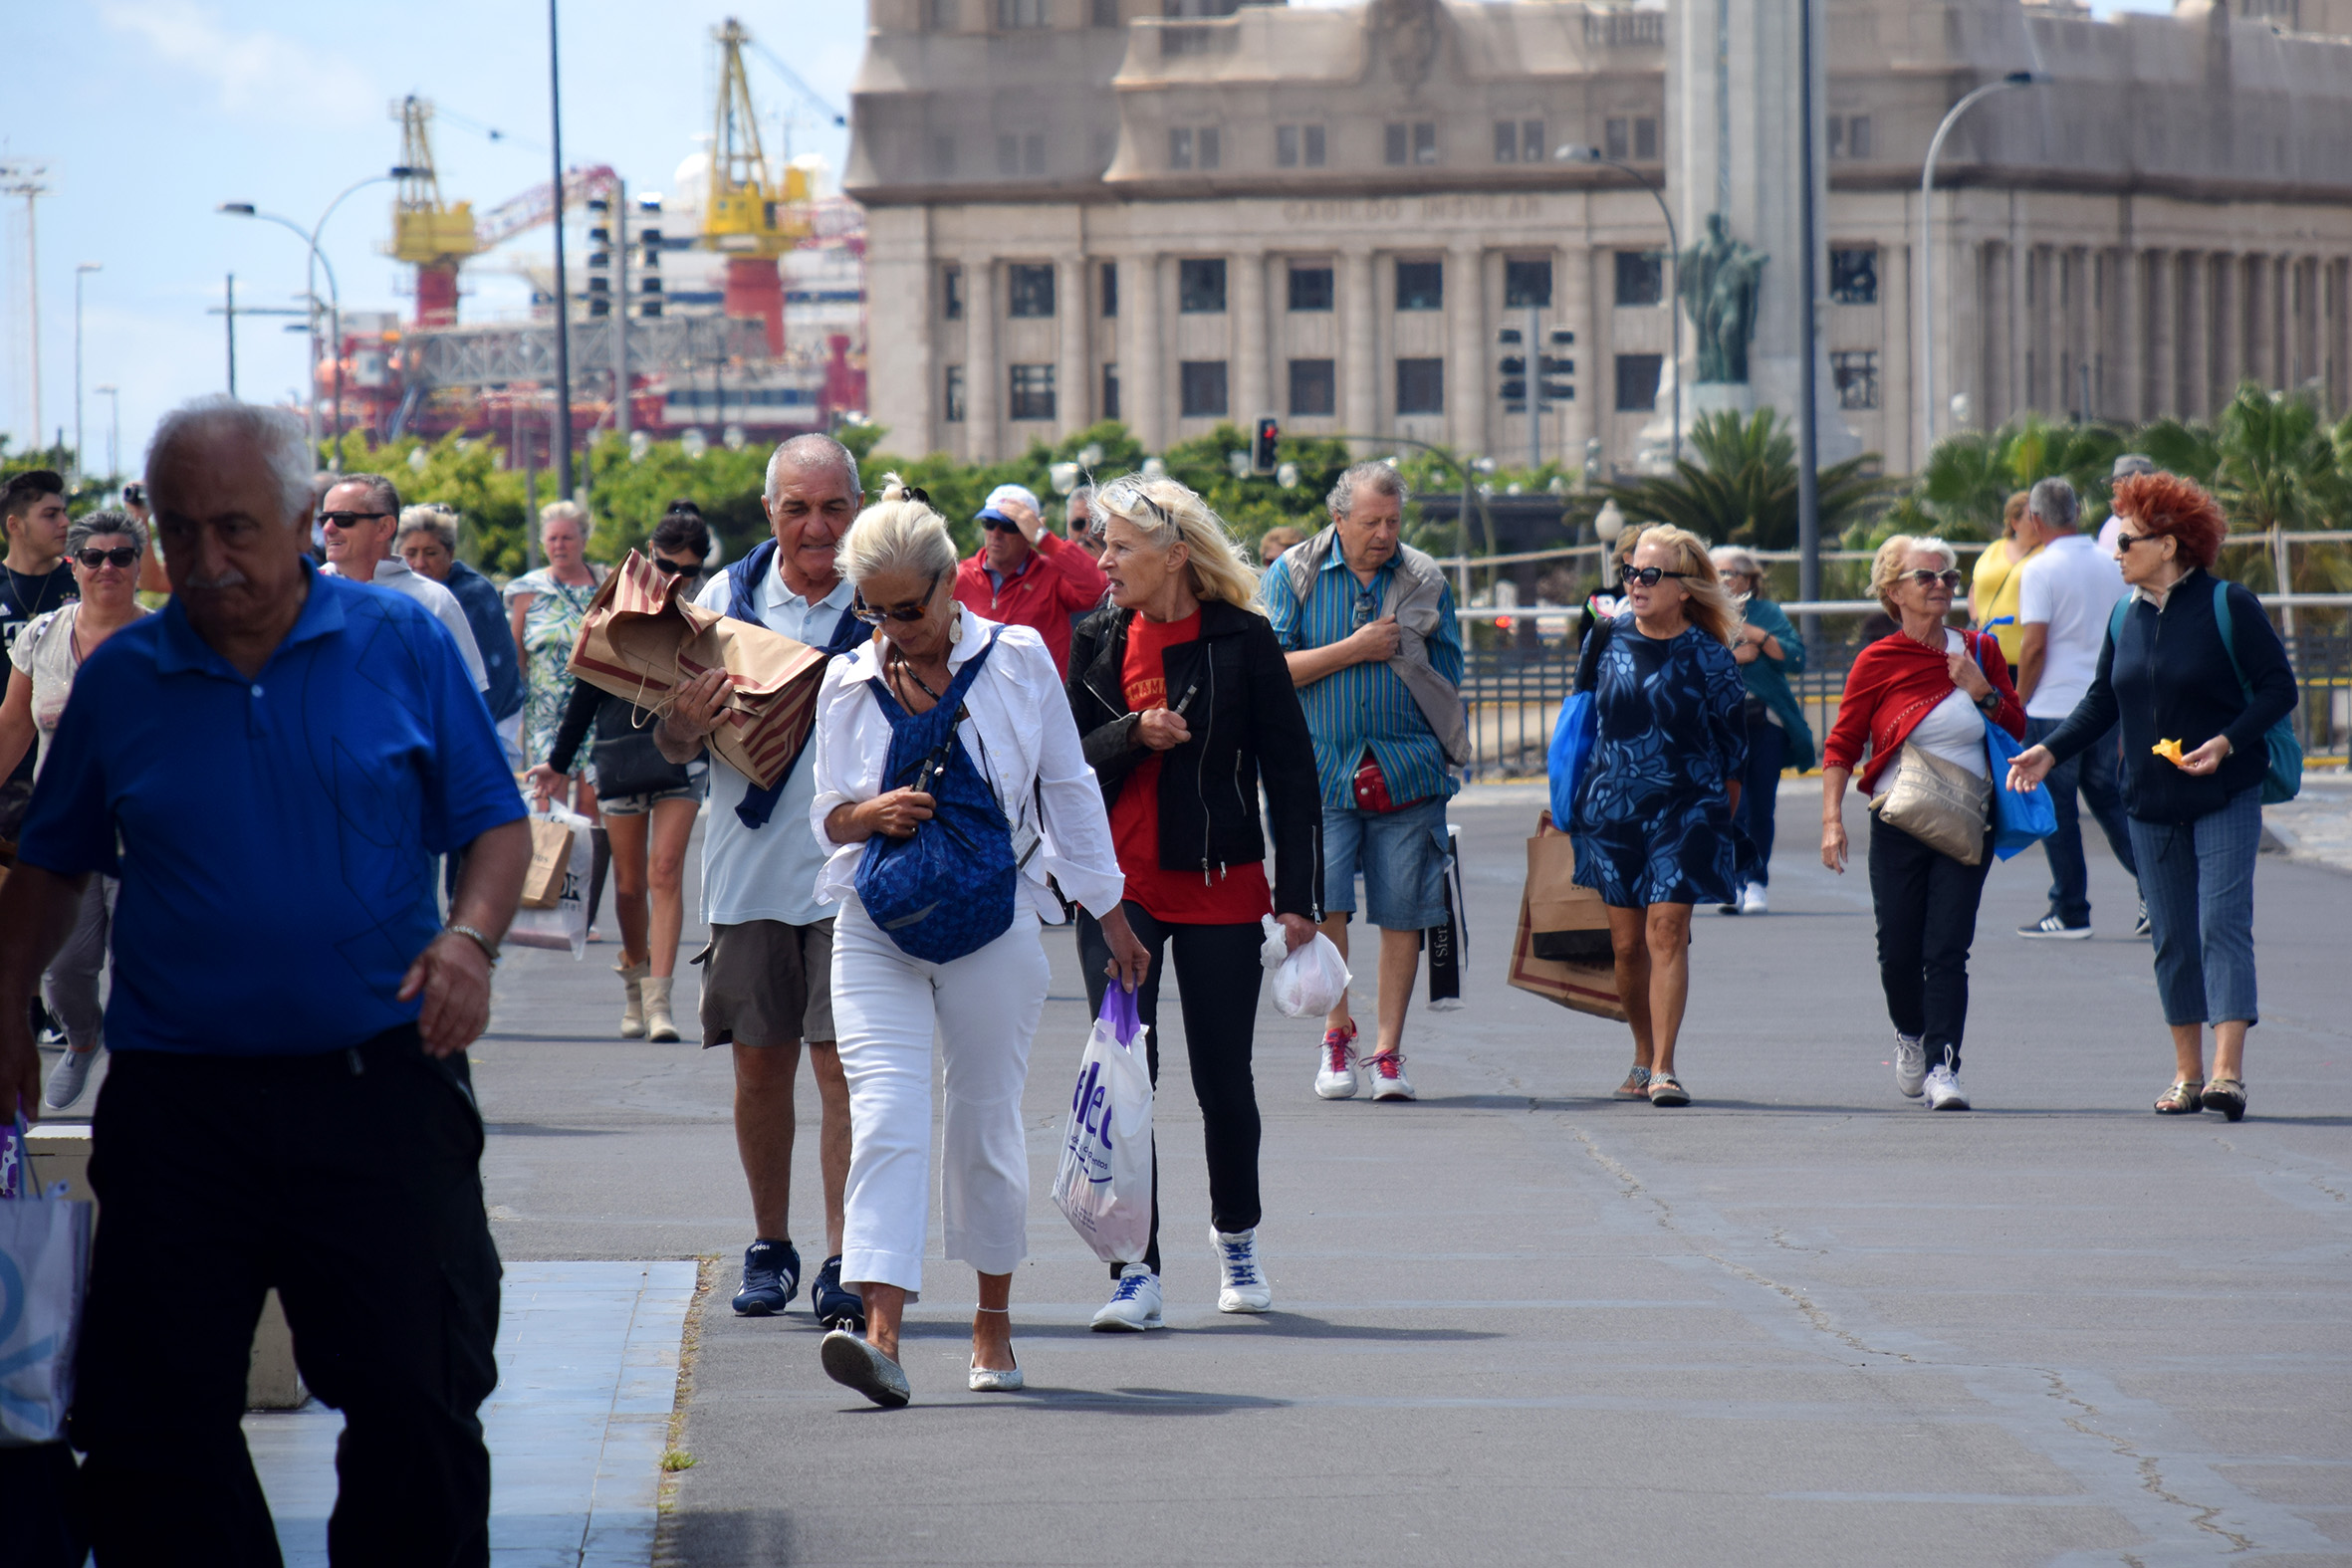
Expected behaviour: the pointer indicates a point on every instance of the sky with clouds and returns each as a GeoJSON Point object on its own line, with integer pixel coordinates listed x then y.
{"type": "Point", "coordinates": [162, 109]}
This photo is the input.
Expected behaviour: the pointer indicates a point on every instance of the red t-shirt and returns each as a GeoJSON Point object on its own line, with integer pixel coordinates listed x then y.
{"type": "Point", "coordinates": [1227, 896]}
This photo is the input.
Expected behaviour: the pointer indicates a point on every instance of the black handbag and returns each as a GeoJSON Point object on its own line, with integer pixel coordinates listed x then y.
{"type": "Point", "coordinates": [630, 764]}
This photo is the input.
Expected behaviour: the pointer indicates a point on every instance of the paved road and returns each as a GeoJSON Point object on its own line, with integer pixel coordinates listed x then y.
{"type": "Point", "coordinates": [1801, 1323]}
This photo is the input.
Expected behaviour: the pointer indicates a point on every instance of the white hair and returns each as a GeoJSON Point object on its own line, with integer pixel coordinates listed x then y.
{"type": "Point", "coordinates": [1377, 475]}
{"type": "Point", "coordinates": [275, 432]}
{"type": "Point", "coordinates": [811, 451]}
{"type": "Point", "coordinates": [898, 533]}
{"type": "Point", "coordinates": [429, 516]}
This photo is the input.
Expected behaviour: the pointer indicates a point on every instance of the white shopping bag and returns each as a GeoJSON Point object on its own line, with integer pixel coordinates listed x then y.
{"type": "Point", "coordinates": [1309, 980]}
{"type": "Point", "coordinates": [564, 926]}
{"type": "Point", "coordinates": [1104, 1184]}
{"type": "Point", "coordinates": [44, 1269]}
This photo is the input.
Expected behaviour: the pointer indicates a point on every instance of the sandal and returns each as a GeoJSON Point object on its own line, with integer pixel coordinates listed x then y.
{"type": "Point", "coordinates": [1636, 1087]}
{"type": "Point", "coordinates": [2184, 1098]}
{"type": "Point", "coordinates": [2227, 1095]}
{"type": "Point", "coordinates": [1665, 1089]}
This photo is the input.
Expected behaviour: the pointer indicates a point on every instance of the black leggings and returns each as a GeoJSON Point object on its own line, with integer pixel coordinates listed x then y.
{"type": "Point", "coordinates": [1927, 917]}
{"type": "Point", "coordinates": [1220, 1026]}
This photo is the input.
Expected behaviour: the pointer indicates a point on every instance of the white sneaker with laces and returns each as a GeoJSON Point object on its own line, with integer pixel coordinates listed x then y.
{"type": "Point", "coordinates": [1754, 901]}
{"type": "Point", "coordinates": [1943, 1091]}
{"type": "Point", "coordinates": [1134, 1306]}
{"type": "Point", "coordinates": [1245, 1288]}
{"type": "Point", "coordinates": [70, 1079]}
{"type": "Point", "coordinates": [1388, 1077]}
{"type": "Point", "coordinates": [1911, 1066]}
{"type": "Point", "coordinates": [1336, 1069]}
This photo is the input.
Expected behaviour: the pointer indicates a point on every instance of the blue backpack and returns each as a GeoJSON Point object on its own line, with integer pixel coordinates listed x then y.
{"type": "Point", "coordinates": [947, 890]}
{"type": "Point", "coordinates": [2284, 780]}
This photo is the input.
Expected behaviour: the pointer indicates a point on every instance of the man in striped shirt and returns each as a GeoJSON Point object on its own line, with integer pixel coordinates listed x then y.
{"type": "Point", "coordinates": [1333, 602]}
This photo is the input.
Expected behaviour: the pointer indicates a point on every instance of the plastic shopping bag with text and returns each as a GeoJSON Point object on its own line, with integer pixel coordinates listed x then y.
{"type": "Point", "coordinates": [1309, 980]}
{"type": "Point", "coordinates": [562, 927]}
{"type": "Point", "coordinates": [1104, 1184]}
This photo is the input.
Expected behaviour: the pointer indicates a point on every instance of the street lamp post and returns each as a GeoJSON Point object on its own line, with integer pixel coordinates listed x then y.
{"type": "Point", "coordinates": [114, 427]}
{"type": "Point", "coordinates": [1582, 154]}
{"type": "Point", "coordinates": [1926, 251]}
{"type": "Point", "coordinates": [81, 269]}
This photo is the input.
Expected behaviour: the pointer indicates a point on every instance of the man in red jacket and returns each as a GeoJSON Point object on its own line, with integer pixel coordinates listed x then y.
{"type": "Point", "coordinates": [1024, 575]}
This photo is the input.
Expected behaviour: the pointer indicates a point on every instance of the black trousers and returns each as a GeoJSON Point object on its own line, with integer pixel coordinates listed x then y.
{"type": "Point", "coordinates": [1217, 967]}
{"type": "Point", "coordinates": [1927, 917]}
{"type": "Point", "coordinates": [349, 1180]}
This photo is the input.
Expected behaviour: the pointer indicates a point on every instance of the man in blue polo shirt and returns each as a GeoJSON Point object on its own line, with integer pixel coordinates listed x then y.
{"type": "Point", "coordinates": [271, 766]}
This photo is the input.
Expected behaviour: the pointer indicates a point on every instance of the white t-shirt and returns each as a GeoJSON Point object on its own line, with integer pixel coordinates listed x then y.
{"type": "Point", "coordinates": [2072, 590]}
{"type": "Point", "coordinates": [1954, 731]}
{"type": "Point", "coordinates": [768, 873]}
{"type": "Point", "coordinates": [45, 652]}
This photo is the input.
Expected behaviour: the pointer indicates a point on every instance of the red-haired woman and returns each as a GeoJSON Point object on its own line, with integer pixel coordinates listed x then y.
{"type": "Point", "coordinates": [2192, 661]}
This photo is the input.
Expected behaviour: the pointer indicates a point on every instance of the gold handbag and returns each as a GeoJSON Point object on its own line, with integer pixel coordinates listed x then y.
{"type": "Point", "coordinates": [1937, 802]}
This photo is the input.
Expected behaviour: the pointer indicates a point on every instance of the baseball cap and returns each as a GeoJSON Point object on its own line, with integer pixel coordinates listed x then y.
{"type": "Point", "coordinates": [991, 515]}
{"type": "Point", "coordinates": [1020, 493]}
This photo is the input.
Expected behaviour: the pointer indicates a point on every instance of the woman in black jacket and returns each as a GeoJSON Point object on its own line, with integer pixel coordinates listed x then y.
{"type": "Point", "coordinates": [2190, 663]}
{"type": "Point", "coordinates": [1186, 705]}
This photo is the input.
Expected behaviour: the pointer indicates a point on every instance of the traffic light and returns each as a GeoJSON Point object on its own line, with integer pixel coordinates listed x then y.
{"type": "Point", "coordinates": [1262, 442]}
{"type": "Point", "coordinates": [1513, 364]}
{"type": "Point", "coordinates": [1556, 369]}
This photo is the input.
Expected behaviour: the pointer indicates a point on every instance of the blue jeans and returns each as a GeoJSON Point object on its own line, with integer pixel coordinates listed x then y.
{"type": "Point", "coordinates": [1759, 798]}
{"type": "Point", "coordinates": [1402, 855]}
{"type": "Point", "coordinates": [2199, 880]}
{"type": "Point", "coordinates": [2091, 774]}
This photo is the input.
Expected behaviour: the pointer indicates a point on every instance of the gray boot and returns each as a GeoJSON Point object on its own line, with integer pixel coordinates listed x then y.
{"type": "Point", "coordinates": [658, 1026]}
{"type": "Point", "coordinates": [633, 977]}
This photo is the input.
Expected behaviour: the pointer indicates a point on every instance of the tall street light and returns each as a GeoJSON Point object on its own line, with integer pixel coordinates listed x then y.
{"type": "Point", "coordinates": [1581, 155]}
{"type": "Point", "coordinates": [114, 397]}
{"type": "Point", "coordinates": [1927, 249]}
{"type": "Point", "coordinates": [81, 269]}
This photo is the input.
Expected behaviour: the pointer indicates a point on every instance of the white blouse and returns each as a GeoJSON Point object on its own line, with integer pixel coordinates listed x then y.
{"type": "Point", "coordinates": [1021, 737]}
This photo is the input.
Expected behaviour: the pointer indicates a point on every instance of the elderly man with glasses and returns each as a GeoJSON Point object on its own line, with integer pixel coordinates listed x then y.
{"type": "Point", "coordinates": [360, 517]}
{"type": "Point", "coordinates": [1024, 575]}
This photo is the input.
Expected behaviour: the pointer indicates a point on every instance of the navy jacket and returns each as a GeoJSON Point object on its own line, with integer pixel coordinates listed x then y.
{"type": "Point", "coordinates": [494, 634]}
{"type": "Point", "coordinates": [2167, 677]}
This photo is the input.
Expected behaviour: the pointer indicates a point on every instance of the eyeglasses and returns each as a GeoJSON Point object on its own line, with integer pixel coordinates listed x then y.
{"type": "Point", "coordinates": [122, 555]}
{"type": "Point", "coordinates": [673, 566]}
{"type": "Point", "coordinates": [1648, 576]}
{"type": "Point", "coordinates": [1928, 579]}
{"type": "Point", "coordinates": [874, 615]}
{"type": "Point", "coordinates": [347, 519]}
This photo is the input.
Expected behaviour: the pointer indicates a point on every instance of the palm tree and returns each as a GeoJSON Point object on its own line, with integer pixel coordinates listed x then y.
{"type": "Point", "coordinates": [1743, 488]}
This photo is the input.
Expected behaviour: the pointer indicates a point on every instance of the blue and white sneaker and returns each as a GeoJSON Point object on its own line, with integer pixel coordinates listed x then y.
{"type": "Point", "coordinates": [771, 1278]}
{"type": "Point", "coordinates": [1243, 1287]}
{"type": "Point", "coordinates": [1134, 1306]}
{"type": "Point", "coordinates": [836, 1308]}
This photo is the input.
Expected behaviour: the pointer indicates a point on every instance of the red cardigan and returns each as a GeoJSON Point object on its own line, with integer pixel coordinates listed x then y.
{"type": "Point", "coordinates": [1896, 682]}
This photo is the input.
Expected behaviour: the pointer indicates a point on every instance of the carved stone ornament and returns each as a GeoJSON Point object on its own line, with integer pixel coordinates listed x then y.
{"type": "Point", "coordinates": [1405, 32]}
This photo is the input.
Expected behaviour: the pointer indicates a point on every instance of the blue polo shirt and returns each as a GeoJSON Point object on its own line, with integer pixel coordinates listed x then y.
{"type": "Point", "coordinates": [275, 836]}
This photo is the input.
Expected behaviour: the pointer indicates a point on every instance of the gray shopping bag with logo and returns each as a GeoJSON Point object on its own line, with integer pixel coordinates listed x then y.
{"type": "Point", "coordinates": [44, 1269]}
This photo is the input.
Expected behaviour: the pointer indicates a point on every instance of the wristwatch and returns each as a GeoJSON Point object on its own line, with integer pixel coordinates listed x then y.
{"type": "Point", "coordinates": [1990, 702]}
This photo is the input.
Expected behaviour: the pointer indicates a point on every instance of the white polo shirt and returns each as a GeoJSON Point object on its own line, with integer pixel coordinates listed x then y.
{"type": "Point", "coordinates": [2072, 588]}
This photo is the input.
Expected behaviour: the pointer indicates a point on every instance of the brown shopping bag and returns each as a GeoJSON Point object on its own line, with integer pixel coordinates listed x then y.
{"type": "Point", "coordinates": [1582, 984]}
{"type": "Point", "coordinates": [642, 637]}
{"type": "Point", "coordinates": [1565, 921]}
{"type": "Point", "coordinates": [551, 859]}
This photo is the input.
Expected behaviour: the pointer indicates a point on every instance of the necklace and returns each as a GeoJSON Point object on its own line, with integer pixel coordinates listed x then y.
{"type": "Point", "coordinates": [900, 664]}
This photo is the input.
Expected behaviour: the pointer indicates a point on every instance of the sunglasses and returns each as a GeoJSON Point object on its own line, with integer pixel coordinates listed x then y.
{"type": "Point", "coordinates": [2125, 541]}
{"type": "Point", "coordinates": [122, 555]}
{"type": "Point", "coordinates": [1950, 577]}
{"type": "Point", "coordinates": [874, 615]}
{"type": "Point", "coordinates": [347, 519]}
{"type": "Point", "coordinates": [1648, 576]}
{"type": "Point", "coordinates": [671, 566]}
{"type": "Point", "coordinates": [1000, 524]}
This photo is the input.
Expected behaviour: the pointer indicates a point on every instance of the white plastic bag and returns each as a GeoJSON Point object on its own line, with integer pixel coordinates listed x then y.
{"type": "Point", "coordinates": [564, 926]}
{"type": "Point", "coordinates": [44, 1269]}
{"type": "Point", "coordinates": [1309, 980]}
{"type": "Point", "coordinates": [1103, 1182]}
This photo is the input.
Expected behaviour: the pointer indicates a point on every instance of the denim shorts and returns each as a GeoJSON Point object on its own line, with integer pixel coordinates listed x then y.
{"type": "Point", "coordinates": [1402, 855]}
{"type": "Point", "coordinates": [697, 784]}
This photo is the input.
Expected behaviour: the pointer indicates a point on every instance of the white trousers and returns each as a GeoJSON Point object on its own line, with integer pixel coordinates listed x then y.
{"type": "Point", "coordinates": [984, 1008]}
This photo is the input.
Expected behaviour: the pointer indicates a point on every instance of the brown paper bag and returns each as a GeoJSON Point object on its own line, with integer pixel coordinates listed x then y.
{"type": "Point", "coordinates": [1566, 921]}
{"type": "Point", "coordinates": [551, 856]}
{"type": "Point", "coordinates": [641, 638]}
{"type": "Point", "coordinates": [1580, 985]}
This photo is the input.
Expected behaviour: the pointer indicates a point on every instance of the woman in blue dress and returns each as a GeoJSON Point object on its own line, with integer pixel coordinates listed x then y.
{"type": "Point", "coordinates": [1653, 813]}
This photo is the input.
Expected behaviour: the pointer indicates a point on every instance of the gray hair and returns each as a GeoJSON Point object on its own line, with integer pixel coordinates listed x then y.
{"type": "Point", "coordinates": [92, 525]}
{"type": "Point", "coordinates": [429, 516]}
{"type": "Point", "coordinates": [1382, 479]}
{"type": "Point", "coordinates": [563, 512]}
{"type": "Point", "coordinates": [2131, 463]}
{"type": "Point", "coordinates": [811, 451]}
{"type": "Point", "coordinates": [898, 533]}
{"type": "Point", "coordinates": [1729, 559]}
{"type": "Point", "coordinates": [1887, 566]}
{"type": "Point", "coordinates": [275, 432]}
{"type": "Point", "coordinates": [2054, 503]}
{"type": "Point", "coordinates": [383, 494]}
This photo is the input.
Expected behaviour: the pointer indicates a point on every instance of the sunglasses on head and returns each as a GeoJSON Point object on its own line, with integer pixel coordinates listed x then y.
{"type": "Point", "coordinates": [874, 615]}
{"type": "Point", "coordinates": [1648, 576]}
{"type": "Point", "coordinates": [1949, 576]}
{"type": "Point", "coordinates": [347, 519]}
{"type": "Point", "coordinates": [119, 556]}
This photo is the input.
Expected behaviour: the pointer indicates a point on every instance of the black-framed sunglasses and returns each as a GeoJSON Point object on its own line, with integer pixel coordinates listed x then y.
{"type": "Point", "coordinates": [671, 566]}
{"type": "Point", "coordinates": [347, 519]}
{"type": "Point", "coordinates": [2125, 541]}
{"type": "Point", "coordinates": [1649, 576]}
{"type": "Point", "coordinates": [121, 557]}
{"type": "Point", "coordinates": [874, 615]}
{"type": "Point", "coordinates": [1000, 525]}
{"type": "Point", "coordinates": [1949, 576]}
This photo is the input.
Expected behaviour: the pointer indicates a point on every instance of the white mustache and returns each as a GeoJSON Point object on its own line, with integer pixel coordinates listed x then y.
{"type": "Point", "coordinates": [230, 577]}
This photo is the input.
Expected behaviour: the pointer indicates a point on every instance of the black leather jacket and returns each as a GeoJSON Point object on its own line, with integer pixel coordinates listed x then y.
{"type": "Point", "coordinates": [1234, 688]}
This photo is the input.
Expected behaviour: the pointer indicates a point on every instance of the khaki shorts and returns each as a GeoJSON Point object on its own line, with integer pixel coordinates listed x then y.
{"type": "Point", "coordinates": [765, 983]}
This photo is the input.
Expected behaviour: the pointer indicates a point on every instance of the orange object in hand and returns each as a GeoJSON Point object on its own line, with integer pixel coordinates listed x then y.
{"type": "Point", "coordinates": [2170, 750]}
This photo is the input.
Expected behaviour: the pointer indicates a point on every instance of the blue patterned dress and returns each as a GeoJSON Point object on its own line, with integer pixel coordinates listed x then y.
{"type": "Point", "coordinates": [1652, 825]}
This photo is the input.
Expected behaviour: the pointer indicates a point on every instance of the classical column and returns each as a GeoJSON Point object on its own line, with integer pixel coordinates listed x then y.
{"type": "Point", "coordinates": [2016, 389]}
{"type": "Point", "coordinates": [2229, 308]}
{"type": "Point", "coordinates": [1141, 298]}
{"type": "Point", "coordinates": [2198, 273]}
{"type": "Point", "coordinates": [1074, 400]}
{"type": "Point", "coordinates": [1571, 302]}
{"type": "Point", "coordinates": [1466, 332]}
{"type": "Point", "coordinates": [981, 395]}
{"type": "Point", "coordinates": [1897, 313]}
{"type": "Point", "coordinates": [1253, 387]}
{"type": "Point", "coordinates": [2131, 348]}
{"type": "Point", "coordinates": [1360, 406]}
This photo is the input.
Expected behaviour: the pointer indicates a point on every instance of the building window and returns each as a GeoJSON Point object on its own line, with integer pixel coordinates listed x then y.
{"type": "Point", "coordinates": [1641, 277]}
{"type": "Point", "coordinates": [1631, 139]}
{"type": "Point", "coordinates": [1527, 283]}
{"type": "Point", "coordinates": [1413, 143]}
{"type": "Point", "coordinates": [1315, 387]}
{"type": "Point", "coordinates": [1645, 140]}
{"type": "Point", "coordinates": [1203, 385]}
{"type": "Point", "coordinates": [943, 157]}
{"type": "Point", "coordinates": [1200, 288]}
{"type": "Point", "coordinates": [1849, 136]}
{"type": "Point", "coordinates": [1008, 155]}
{"type": "Point", "coordinates": [939, 16]}
{"type": "Point", "coordinates": [1420, 286]}
{"type": "Point", "coordinates": [1110, 391]}
{"type": "Point", "coordinates": [1637, 382]}
{"type": "Point", "coordinates": [1021, 13]}
{"type": "Point", "coordinates": [1033, 153]}
{"type": "Point", "coordinates": [951, 293]}
{"type": "Point", "coordinates": [1310, 288]}
{"type": "Point", "coordinates": [1297, 147]}
{"type": "Point", "coordinates": [1180, 147]}
{"type": "Point", "coordinates": [1111, 288]}
{"type": "Point", "coordinates": [1853, 277]}
{"type": "Point", "coordinates": [1420, 386]}
{"type": "Point", "coordinates": [1193, 146]}
{"type": "Point", "coordinates": [1105, 12]}
{"type": "Point", "coordinates": [1032, 392]}
{"type": "Point", "coordinates": [1205, 140]}
{"type": "Point", "coordinates": [1031, 287]}
{"type": "Point", "coordinates": [1520, 141]}
{"type": "Point", "coordinates": [1856, 372]}
{"type": "Point", "coordinates": [955, 395]}
{"type": "Point", "coordinates": [1314, 138]}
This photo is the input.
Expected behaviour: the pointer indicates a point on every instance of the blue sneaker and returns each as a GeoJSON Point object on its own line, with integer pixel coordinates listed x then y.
{"type": "Point", "coordinates": [835, 1307]}
{"type": "Point", "coordinates": [771, 1278]}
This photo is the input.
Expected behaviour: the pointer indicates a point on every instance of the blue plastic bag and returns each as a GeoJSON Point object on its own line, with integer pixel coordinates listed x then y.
{"type": "Point", "coordinates": [2021, 819]}
{"type": "Point", "coordinates": [1571, 746]}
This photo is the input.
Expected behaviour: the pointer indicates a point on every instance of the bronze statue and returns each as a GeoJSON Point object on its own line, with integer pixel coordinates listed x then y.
{"type": "Point", "coordinates": [1716, 280]}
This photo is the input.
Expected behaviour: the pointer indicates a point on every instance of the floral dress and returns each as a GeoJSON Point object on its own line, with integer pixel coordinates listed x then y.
{"type": "Point", "coordinates": [550, 629]}
{"type": "Point", "coordinates": [1652, 824]}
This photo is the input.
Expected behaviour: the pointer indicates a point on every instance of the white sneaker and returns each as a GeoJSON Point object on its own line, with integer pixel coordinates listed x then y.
{"type": "Point", "coordinates": [1245, 1288]}
{"type": "Point", "coordinates": [1336, 1070]}
{"type": "Point", "coordinates": [1753, 900]}
{"type": "Point", "coordinates": [1134, 1306]}
{"type": "Point", "coordinates": [1911, 1064]}
{"type": "Point", "coordinates": [1943, 1091]}
{"type": "Point", "coordinates": [1388, 1077]}
{"type": "Point", "coordinates": [70, 1079]}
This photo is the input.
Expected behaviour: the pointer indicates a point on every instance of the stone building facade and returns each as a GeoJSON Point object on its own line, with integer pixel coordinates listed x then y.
{"type": "Point", "coordinates": [1348, 216]}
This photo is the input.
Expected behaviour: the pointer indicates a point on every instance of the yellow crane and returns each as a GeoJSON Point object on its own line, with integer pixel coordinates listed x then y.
{"type": "Point", "coordinates": [434, 235]}
{"type": "Point", "coordinates": [750, 214]}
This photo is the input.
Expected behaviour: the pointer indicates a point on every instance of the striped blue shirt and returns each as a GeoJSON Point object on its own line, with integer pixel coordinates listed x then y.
{"type": "Point", "coordinates": [1365, 706]}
